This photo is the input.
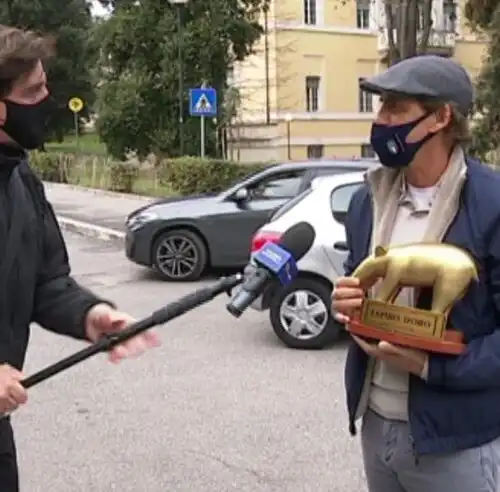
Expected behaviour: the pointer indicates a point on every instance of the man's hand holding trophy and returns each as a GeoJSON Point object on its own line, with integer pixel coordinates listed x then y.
{"type": "Point", "coordinates": [389, 331]}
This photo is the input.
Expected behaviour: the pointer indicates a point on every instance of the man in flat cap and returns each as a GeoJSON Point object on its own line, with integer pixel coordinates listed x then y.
{"type": "Point", "coordinates": [430, 422]}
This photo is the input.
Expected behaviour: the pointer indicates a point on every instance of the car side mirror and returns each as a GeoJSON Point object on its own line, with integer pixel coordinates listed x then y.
{"type": "Point", "coordinates": [241, 195]}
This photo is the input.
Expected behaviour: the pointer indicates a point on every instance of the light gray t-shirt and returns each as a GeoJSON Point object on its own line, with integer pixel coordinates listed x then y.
{"type": "Point", "coordinates": [389, 388]}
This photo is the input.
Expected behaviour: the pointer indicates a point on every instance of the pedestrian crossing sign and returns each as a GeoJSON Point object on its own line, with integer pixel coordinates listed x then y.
{"type": "Point", "coordinates": [203, 105]}
{"type": "Point", "coordinates": [203, 102]}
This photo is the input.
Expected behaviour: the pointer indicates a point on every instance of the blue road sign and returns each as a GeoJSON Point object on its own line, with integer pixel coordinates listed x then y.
{"type": "Point", "coordinates": [203, 102]}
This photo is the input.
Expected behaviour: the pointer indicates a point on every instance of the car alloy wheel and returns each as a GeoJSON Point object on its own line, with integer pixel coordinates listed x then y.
{"type": "Point", "coordinates": [303, 314]}
{"type": "Point", "coordinates": [300, 314]}
{"type": "Point", "coordinates": [180, 255]}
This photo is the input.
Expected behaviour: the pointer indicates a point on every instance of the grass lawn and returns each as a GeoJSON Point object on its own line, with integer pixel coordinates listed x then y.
{"type": "Point", "coordinates": [93, 171]}
{"type": "Point", "coordinates": [89, 143]}
{"type": "Point", "coordinates": [89, 165]}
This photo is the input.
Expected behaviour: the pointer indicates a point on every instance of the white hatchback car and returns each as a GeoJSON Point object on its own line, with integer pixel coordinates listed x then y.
{"type": "Point", "coordinates": [300, 312]}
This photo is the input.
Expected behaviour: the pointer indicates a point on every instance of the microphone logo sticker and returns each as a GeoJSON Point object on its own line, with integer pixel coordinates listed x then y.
{"type": "Point", "coordinates": [273, 256]}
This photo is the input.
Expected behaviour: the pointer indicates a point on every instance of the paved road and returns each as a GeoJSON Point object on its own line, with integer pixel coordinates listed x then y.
{"type": "Point", "coordinates": [221, 406]}
{"type": "Point", "coordinates": [105, 209]}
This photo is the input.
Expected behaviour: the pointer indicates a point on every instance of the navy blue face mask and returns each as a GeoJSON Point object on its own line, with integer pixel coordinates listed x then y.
{"type": "Point", "coordinates": [389, 143]}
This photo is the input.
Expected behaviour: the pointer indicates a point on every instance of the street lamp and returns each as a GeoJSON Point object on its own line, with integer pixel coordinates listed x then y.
{"type": "Point", "coordinates": [179, 4]}
{"type": "Point", "coordinates": [288, 119]}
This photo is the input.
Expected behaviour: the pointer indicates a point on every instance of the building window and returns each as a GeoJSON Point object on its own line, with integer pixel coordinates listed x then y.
{"type": "Point", "coordinates": [363, 14]}
{"type": "Point", "coordinates": [365, 100]}
{"type": "Point", "coordinates": [315, 151]}
{"type": "Point", "coordinates": [310, 12]}
{"type": "Point", "coordinates": [367, 151]}
{"type": "Point", "coordinates": [449, 16]}
{"type": "Point", "coordinates": [312, 93]}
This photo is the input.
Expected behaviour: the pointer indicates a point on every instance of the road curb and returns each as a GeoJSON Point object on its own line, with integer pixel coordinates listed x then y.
{"type": "Point", "coordinates": [90, 230]}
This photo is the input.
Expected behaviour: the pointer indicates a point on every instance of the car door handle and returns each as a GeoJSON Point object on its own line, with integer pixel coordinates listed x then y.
{"type": "Point", "coordinates": [341, 245]}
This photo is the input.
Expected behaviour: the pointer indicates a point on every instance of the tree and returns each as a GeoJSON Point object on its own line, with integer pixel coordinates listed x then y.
{"type": "Point", "coordinates": [408, 25]}
{"type": "Point", "coordinates": [138, 98]}
{"type": "Point", "coordinates": [484, 15]}
{"type": "Point", "coordinates": [68, 74]}
{"type": "Point", "coordinates": [480, 13]}
{"type": "Point", "coordinates": [113, 3]}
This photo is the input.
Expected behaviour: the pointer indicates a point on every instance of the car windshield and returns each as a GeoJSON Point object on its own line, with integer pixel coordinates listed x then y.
{"type": "Point", "coordinates": [278, 187]}
{"type": "Point", "coordinates": [290, 204]}
{"type": "Point", "coordinates": [238, 182]}
{"type": "Point", "coordinates": [340, 169]}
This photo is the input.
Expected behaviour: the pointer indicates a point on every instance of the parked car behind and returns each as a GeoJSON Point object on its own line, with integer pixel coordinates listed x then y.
{"type": "Point", "coordinates": [300, 312]}
{"type": "Point", "coordinates": [180, 237]}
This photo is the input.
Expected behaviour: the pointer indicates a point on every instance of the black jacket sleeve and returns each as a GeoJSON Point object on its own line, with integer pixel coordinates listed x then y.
{"type": "Point", "coordinates": [61, 304]}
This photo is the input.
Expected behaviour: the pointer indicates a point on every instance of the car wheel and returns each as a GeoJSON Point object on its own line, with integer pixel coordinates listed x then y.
{"type": "Point", "coordinates": [180, 255]}
{"type": "Point", "coordinates": [300, 315]}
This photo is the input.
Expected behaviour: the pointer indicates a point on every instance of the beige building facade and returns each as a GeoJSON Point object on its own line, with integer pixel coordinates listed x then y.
{"type": "Point", "coordinates": [299, 93]}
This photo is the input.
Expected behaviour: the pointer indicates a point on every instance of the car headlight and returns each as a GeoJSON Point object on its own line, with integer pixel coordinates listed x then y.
{"type": "Point", "coordinates": [137, 221]}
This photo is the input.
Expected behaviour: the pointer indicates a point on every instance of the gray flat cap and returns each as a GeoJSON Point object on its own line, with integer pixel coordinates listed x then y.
{"type": "Point", "coordinates": [426, 76]}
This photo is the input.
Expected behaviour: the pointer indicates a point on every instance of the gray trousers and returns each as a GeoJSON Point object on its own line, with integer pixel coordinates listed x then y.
{"type": "Point", "coordinates": [391, 466]}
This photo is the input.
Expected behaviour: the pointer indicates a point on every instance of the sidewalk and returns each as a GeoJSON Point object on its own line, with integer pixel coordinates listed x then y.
{"type": "Point", "coordinates": [95, 213]}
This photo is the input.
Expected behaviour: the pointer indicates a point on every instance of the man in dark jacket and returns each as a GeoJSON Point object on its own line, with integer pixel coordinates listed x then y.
{"type": "Point", "coordinates": [430, 422]}
{"type": "Point", "coordinates": [35, 282]}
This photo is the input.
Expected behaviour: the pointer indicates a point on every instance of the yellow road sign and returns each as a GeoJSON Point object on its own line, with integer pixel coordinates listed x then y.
{"type": "Point", "coordinates": [75, 104]}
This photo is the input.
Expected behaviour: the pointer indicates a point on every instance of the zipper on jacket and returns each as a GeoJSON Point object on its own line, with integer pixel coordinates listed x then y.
{"type": "Point", "coordinates": [416, 457]}
{"type": "Point", "coordinates": [414, 451]}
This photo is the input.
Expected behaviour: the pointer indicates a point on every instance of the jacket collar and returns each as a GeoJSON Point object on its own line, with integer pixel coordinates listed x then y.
{"type": "Point", "coordinates": [10, 158]}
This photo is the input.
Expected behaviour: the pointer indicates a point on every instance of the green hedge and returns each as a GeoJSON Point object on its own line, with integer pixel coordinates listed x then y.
{"type": "Point", "coordinates": [184, 176]}
{"type": "Point", "coordinates": [190, 175]}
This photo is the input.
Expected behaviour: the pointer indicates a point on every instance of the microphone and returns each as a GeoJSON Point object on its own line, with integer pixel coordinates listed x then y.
{"type": "Point", "coordinates": [273, 261]}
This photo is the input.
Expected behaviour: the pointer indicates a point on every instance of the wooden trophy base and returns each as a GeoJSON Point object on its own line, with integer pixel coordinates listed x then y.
{"type": "Point", "coordinates": [451, 343]}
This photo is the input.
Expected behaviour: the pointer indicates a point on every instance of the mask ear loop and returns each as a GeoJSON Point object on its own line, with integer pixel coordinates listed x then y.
{"type": "Point", "coordinates": [416, 122]}
{"type": "Point", "coordinates": [420, 118]}
{"type": "Point", "coordinates": [401, 143]}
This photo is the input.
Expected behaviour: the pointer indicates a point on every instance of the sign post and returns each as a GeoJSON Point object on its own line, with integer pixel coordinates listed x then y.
{"type": "Point", "coordinates": [202, 137]}
{"type": "Point", "coordinates": [75, 104]}
{"type": "Point", "coordinates": [203, 103]}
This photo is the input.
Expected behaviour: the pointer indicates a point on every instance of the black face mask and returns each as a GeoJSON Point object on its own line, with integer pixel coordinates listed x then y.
{"type": "Point", "coordinates": [26, 123]}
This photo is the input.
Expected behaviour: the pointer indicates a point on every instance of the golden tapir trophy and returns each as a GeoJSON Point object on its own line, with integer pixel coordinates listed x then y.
{"type": "Point", "coordinates": [447, 269]}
